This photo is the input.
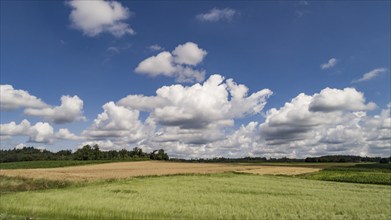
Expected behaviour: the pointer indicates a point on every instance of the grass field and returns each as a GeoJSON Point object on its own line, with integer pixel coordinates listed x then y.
{"type": "Point", "coordinates": [360, 173]}
{"type": "Point", "coordinates": [210, 196]}
{"type": "Point", "coordinates": [219, 191]}
{"type": "Point", "coordinates": [49, 164]}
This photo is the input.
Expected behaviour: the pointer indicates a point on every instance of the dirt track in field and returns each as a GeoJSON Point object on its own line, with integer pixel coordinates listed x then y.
{"type": "Point", "coordinates": [121, 170]}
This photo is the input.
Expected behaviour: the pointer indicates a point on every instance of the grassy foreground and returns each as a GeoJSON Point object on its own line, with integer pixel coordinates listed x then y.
{"type": "Point", "coordinates": [217, 196]}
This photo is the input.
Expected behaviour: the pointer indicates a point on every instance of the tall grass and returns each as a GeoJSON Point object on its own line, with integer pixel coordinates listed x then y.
{"type": "Point", "coordinates": [217, 196]}
{"type": "Point", "coordinates": [18, 184]}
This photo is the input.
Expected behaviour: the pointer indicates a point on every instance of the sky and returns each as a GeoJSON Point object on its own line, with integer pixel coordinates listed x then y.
{"type": "Point", "coordinates": [199, 79]}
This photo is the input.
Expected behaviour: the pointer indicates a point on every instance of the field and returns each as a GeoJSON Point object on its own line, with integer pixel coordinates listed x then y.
{"type": "Point", "coordinates": [49, 164]}
{"type": "Point", "coordinates": [145, 168]}
{"type": "Point", "coordinates": [360, 173]}
{"type": "Point", "coordinates": [190, 191]}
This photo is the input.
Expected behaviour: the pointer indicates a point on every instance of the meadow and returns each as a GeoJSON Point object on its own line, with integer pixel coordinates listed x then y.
{"type": "Point", "coordinates": [359, 173]}
{"type": "Point", "coordinates": [220, 194]}
{"type": "Point", "coordinates": [208, 196]}
{"type": "Point", "coordinates": [49, 164]}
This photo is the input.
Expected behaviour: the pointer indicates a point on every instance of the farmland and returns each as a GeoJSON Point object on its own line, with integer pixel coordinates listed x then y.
{"type": "Point", "coordinates": [166, 190]}
{"type": "Point", "coordinates": [360, 173]}
{"type": "Point", "coordinates": [49, 164]}
{"type": "Point", "coordinates": [120, 170]}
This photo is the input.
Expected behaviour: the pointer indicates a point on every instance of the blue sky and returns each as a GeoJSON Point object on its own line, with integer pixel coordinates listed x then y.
{"type": "Point", "coordinates": [55, 49]}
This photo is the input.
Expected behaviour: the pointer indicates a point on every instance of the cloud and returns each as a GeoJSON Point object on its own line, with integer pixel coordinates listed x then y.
{"type": "Point", "coordinates": [370, 75]}
{"type": "Point", "coordinates": [298, 118]}
{"type": "Point", "coordinates": [188, 53]}
{"type": "Point", "coordinates": [200, 121]}
{"type": "Point", "coordinates": [330, 64]}
{"type": "Point", "coordinates": [40, 132]}
{"type": "Point", "coordinates": [198, 114]}
{"type": "Point", "coordinates": [20, 146]}
{"type": "Point", "coordinates": [117, 122]}
{"type": "Point", "coordinates": [179, 64]}
{"type": "Point", "coordinates": [304, 3]}
{"type": "Point", "coordinates": [291, 122]}
{"type": "Point", "coordinates": [113, 49]}
{"type": "Point", "coordinates": [99, 16]}
{"type": "Point", "coordinates": [11, 99]}
{"type": "Point", "coordinates": [155, 47]}
{"type": "Point", "coordinates": [161, 64]}
{"type": "Point", "coordinates": [70, 110]}
{"type": "Point", "coordinates": [64, 133]}
{"type": "Point", "coordinates": [105, 145]}
{"type": "Point", "coordinates": [308, 125]}
{"type": "Point", "coordinates": [215, 15]}
{"type": "Point", "coordinates": [348, 99]}
{"type": "Point", "coordinates": [296, 130]}
{"type": "Point", "coordinates": [199, 106]}
{"type": "Point", "coordinates": [302, 9]}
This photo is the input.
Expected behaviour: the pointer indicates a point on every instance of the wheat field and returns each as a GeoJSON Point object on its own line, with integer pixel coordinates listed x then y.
{"type": "Point", "coordinates": [122, 170]}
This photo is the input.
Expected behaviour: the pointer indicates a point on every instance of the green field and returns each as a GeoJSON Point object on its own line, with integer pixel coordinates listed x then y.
{"type": "Point", "coordinates": [360, 173]}
{"type": "Point", "coordinates": [55, 163]}
{"type": "Point", "coordinates": [217, 196]}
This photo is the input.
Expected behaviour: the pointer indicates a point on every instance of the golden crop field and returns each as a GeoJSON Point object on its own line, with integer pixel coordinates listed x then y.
{"type": "Point", "coordinates": [121, 170]}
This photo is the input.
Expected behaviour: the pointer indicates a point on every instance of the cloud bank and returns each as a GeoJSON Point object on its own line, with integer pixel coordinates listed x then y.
{"type": "Point", "coordinates": [203, 120]}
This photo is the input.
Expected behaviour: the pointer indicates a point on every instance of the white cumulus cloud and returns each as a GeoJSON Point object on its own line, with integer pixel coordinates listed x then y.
{"type": "Point", "coordinates": [179, 63]}
{"type": "Point", "coordinates": [117, 122]}
{"type": "Point", "coordinates": [40, 132]}
{"type": "Point", "coordinates": [64, 133]}
{"type": "Point", "coordinates": [11, 99]}
{"type": "Point", "coordinates": [216, 101]}
{"type": "Point", "coordinates": [340, 100]}
{"type": "Point", "coordinates": [99, 16]}
{"type": "Point", "coordinates": [188, 53]}
{"type": "Point", "coordinates": [215, 15]}
{"type": "Point", "coordinates": [331, 128]}
{"type": "Point", "coordinates": [71, 109]}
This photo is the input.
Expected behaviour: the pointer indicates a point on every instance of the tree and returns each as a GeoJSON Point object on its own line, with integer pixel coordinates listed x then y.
{"type": "Point", "coordinates": [85, 153]}
{"type": "Point", "coordinates": [159, 155]}
{"type": "Point", "coordinates": [96, 152]}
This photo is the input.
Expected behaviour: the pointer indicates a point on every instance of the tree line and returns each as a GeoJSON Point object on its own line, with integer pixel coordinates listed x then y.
{"type": "Point", "coordinates": [322, 159]}
{"type": "Point", "coordinates": [87, 152]}
{"type": "Point", "coordinates": [347, 158]}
